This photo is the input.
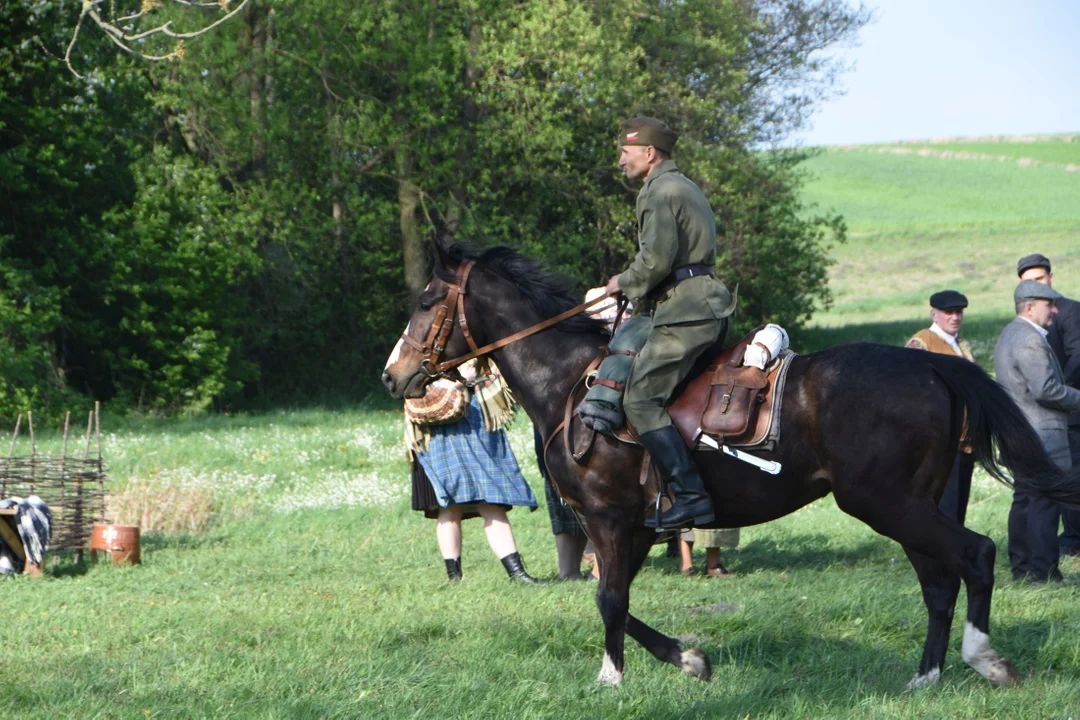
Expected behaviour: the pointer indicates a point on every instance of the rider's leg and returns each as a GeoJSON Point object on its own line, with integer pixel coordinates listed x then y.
{"type": "Point", "coordinates": [662, 364]}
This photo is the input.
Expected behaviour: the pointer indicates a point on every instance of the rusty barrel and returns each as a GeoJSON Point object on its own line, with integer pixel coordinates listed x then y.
{"type": "Point", "coordinates": [119, 541]}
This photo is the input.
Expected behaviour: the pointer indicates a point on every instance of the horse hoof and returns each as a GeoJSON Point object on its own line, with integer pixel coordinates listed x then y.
{"type": "Point", "coordinates": [925, 680]}
{"type": "Point", "coordinates": [695, 663]}
{"type": "Point", "coordinates": [608, 676]}
{"type": "Point", "coordinates": [1003, 674]}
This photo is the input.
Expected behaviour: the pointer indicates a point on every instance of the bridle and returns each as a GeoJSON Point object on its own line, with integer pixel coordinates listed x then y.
{"type": "Point", "coordinates": [435, 343]}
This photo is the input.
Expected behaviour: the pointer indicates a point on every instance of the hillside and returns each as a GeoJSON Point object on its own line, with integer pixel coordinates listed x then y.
{"type": "Point", "coordinates": [923, 216]}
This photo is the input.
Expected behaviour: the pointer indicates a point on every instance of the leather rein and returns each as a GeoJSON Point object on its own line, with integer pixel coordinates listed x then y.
{"type": "Point", "coordinates": [435, 343]}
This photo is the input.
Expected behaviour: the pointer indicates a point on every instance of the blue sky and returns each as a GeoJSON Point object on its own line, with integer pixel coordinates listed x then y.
{"type": "Point", "coordinates": [946, 68]}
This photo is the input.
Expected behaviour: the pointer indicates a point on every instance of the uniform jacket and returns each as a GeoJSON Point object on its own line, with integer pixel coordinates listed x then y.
{"type": "Point", "coordinates": [676, 228]}
{"type": "Point", "coordinates": [1029, 371]}
{"type": "Point", "coordinates": [1064, 338]}
{"type": "Point", "coordinates": [929, 340]}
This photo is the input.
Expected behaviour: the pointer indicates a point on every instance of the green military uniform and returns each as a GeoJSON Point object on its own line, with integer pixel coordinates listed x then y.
{"type": "Point", "coordinates": [676, 229]}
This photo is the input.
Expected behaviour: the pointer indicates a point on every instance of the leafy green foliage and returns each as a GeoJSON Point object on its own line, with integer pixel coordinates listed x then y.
{"type": "Point", "coordinates": [248, 224]}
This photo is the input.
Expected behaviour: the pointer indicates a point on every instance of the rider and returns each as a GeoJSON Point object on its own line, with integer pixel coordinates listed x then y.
{"type": "Point", "coordinates": [671, 278]}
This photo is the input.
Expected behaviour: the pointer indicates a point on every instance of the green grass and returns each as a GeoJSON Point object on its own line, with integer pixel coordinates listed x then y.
{"type": "Point", "coordinates": [880, 193]}
{"type": "Point", "coordinates": [345, 612]}
{"type": "Point", "coordinates": [920, 224]}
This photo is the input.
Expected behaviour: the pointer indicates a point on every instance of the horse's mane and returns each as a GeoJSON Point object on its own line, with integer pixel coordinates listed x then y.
{"type": "Point", "coordinates": [549, 293]}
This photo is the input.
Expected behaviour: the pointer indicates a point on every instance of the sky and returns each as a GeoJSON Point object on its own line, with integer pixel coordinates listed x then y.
{"type": "Point", "coordinates": [956, 68]}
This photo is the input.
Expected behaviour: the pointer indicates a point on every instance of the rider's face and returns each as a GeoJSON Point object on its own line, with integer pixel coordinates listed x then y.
{"type": "Point", "coordinates": [635, 160]}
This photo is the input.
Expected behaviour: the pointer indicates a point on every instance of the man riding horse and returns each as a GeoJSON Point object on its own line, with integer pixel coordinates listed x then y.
{"type": "Point", "coordinates": [672, 279]}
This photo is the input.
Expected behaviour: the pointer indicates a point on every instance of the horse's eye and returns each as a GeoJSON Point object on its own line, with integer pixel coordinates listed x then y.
{"type": "Point", "coordinates": [424, 306]}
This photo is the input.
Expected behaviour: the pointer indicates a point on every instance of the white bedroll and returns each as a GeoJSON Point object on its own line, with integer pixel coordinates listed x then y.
{"type": "Point", "coordinates": [768, 342]}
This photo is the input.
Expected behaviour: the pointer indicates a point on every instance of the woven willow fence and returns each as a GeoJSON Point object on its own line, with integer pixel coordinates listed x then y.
{"type": "Point", "coordinates": [72, 485]}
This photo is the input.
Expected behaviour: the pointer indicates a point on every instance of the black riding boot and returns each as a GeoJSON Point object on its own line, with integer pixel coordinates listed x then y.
{"type": "Point", "coordinates": [692, 507]}
{"type": "Point", "coordinates": [453, 569]}
{"type": "Point", "coordinates": [516, 570]}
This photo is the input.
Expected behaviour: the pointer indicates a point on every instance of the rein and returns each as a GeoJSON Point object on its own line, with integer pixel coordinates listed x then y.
{"type": "Point", "coordinates": [435, 343]}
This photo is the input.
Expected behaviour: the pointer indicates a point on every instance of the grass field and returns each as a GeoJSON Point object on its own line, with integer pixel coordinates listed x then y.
{"type": "Point", "coordinates": [284, 575]}
{"type": "Point", "coordinates": [315, 611]}
{"type": "Point", "coordinates": [922, 223]}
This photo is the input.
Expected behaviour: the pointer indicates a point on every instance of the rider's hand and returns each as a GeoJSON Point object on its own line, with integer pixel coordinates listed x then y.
{"type": "Point", "coordinates": [612, 285]}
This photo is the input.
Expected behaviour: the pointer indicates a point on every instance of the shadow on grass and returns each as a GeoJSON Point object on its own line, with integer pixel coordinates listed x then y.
{"type": "Point", "coordinates": [807, 552]}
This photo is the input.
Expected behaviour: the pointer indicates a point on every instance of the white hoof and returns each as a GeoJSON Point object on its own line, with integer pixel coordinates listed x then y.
{"type": "Point", "coordinates": [925, 680]}
{"type": "Point", "coordinates": [695, 663]}
{"type": "Point", "coordinates": [982, 658]}
{"type": "Point", "coordinates": [608, 674]}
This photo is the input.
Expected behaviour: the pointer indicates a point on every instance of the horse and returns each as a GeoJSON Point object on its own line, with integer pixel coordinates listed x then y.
{"type": "Point", "coordinates": [877, 426]}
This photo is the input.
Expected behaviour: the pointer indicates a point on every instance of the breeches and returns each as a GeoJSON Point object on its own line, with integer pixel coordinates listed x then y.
{"type": "Point", "coordinates": [667, 358]}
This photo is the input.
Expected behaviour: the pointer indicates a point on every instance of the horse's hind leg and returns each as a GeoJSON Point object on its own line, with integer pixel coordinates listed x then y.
{"type": "Point", "coordinates": [668, 649]}
{"type": "Point", "coordinates": [939, 548]}
{"type": "Point", "coordinates": [940, 587]}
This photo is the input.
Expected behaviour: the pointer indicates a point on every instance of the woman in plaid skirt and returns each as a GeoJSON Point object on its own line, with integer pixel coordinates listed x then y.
{"type": "Point", "coordinates": [467, 470]}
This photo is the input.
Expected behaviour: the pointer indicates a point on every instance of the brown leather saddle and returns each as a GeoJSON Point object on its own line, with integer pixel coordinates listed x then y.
{"type": "Point", "coordinates": [723, 399]}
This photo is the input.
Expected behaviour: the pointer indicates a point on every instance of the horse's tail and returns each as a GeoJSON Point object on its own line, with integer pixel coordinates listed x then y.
{"type": "Point", "coordinates": [993, 419]}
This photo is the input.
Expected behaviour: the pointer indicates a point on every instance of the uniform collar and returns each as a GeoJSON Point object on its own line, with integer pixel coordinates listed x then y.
{"type": "Point", "coordinates": [665, 167]}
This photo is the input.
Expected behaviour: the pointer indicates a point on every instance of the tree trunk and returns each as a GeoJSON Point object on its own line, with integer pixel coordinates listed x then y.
{"type": "Point", "coordinates": [253, 44]}
{"type": "Point", "coordinates": [412, 242]}
{"type": "Point", "coordinates": [455, 215]}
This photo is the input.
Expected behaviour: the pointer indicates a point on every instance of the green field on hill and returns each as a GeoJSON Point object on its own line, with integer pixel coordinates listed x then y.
{"type": "Point", "coordinates": [925, 222]}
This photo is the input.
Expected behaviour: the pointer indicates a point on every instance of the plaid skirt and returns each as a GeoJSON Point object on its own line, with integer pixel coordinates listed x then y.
{"type": "Point", "coordinates": [467, 464]}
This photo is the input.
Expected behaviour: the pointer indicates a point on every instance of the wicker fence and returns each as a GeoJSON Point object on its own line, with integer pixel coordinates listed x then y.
{"type": "Point", "coordinates": [72, 485]}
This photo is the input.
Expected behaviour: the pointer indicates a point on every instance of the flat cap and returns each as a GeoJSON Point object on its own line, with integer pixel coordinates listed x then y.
{"type": "Point", "coordinates": [1033, 260]}
{"type": "Point", "coordinates": [1031, 290]}
{"type": "Point", "coordinates": [948, 300]}
{"type": "Point", "coordinates": [647, 131]}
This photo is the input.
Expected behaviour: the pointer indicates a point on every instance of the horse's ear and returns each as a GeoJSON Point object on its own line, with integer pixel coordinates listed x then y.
{"type": "Point", "coordinates": [441, 245]}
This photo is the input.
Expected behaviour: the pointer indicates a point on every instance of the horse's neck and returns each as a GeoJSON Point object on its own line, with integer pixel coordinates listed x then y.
{"type": "Point", "coordinates": [542, 369]}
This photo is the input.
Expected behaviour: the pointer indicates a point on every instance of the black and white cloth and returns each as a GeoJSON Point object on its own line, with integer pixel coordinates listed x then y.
{"type": "Point", "coordinates": [33, 520]}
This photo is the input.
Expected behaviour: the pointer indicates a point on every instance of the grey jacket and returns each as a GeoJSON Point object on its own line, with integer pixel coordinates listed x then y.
{"type": "Point", "coordinates": [1029, 371]}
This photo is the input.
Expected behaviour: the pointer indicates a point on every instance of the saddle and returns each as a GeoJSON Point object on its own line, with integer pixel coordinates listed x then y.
{"type": "Point", "coordinates": [722, 399]}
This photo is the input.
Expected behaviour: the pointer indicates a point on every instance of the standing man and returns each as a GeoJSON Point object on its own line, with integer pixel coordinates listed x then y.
{"type": "Point", "coordinates": [1064, 339]}
{"type": "Point", "coordinates": [943, 337]}
{"type": "Point", "coordinates": [1029, 371]}
{"type": "Point", "coordinates": [672, 279]}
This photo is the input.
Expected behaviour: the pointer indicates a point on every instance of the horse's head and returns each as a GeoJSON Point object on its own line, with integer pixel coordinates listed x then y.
{"type": "Point", "coordinates": [412, 364]}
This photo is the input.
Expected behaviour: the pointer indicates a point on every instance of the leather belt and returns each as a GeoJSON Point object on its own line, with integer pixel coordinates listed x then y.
{"type": "Point", "coordinates": [676, 277]}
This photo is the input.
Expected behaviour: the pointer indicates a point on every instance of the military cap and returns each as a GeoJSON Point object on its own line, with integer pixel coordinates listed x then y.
{"type": "Point", "coordinates": [647, 131]}
{"type": "Point", "coordinates": [1031, 290]}
{"type": "Point", "coordinates": [948, 300]}
{"type": "Point", "coordinates": [1033, 260]}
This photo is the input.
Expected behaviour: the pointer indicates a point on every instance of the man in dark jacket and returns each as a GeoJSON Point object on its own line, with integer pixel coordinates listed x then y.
{"type": "Point", "coordinates": [1064, 339]}
{"type": "Point", "coordinates": [671, 278]}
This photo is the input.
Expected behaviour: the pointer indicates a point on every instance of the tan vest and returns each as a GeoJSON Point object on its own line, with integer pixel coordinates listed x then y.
{"type": "Point", "coordinates": [929, 340]}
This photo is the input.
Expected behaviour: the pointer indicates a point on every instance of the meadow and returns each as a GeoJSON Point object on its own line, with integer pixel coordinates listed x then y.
{"type": "Point", "coordinates": [284, 575]}
{"type": "Point", "coordinates": [919, 223]}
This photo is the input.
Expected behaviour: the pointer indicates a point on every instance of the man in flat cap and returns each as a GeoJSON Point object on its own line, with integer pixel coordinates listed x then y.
{"type": "Point", "coordinates": [672, 278]}
{"type": "Point", "coordinates": [1029, 371]}
{"type": "Point", "coordinates": [1064, 339]}
{"type": "Point", "coordinates": [943, 336]}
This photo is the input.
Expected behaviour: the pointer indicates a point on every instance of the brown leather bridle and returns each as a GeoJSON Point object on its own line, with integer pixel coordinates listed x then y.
{"type": "Point", "coordinates": [435, 343]}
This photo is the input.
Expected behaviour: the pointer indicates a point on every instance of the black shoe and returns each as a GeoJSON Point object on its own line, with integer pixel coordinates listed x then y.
{"type": "Point", "coordinates": [1070, 551]}
{"type": "Point", "coordinates": [692, 507]}
{"type": "Point", "coordinates": [453, 569]}
{"type": "Point", "coordinates": [516, 570]}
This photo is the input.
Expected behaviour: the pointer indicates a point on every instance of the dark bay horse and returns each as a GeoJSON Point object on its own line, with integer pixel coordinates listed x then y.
{"type": "Point", "coordinates": [877, 426]}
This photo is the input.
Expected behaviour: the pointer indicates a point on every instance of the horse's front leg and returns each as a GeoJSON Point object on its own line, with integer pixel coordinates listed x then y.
{"type": "Point", "coordinates": [612, 536]}
{"type": "Point", "coordinates": [667, 649]}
